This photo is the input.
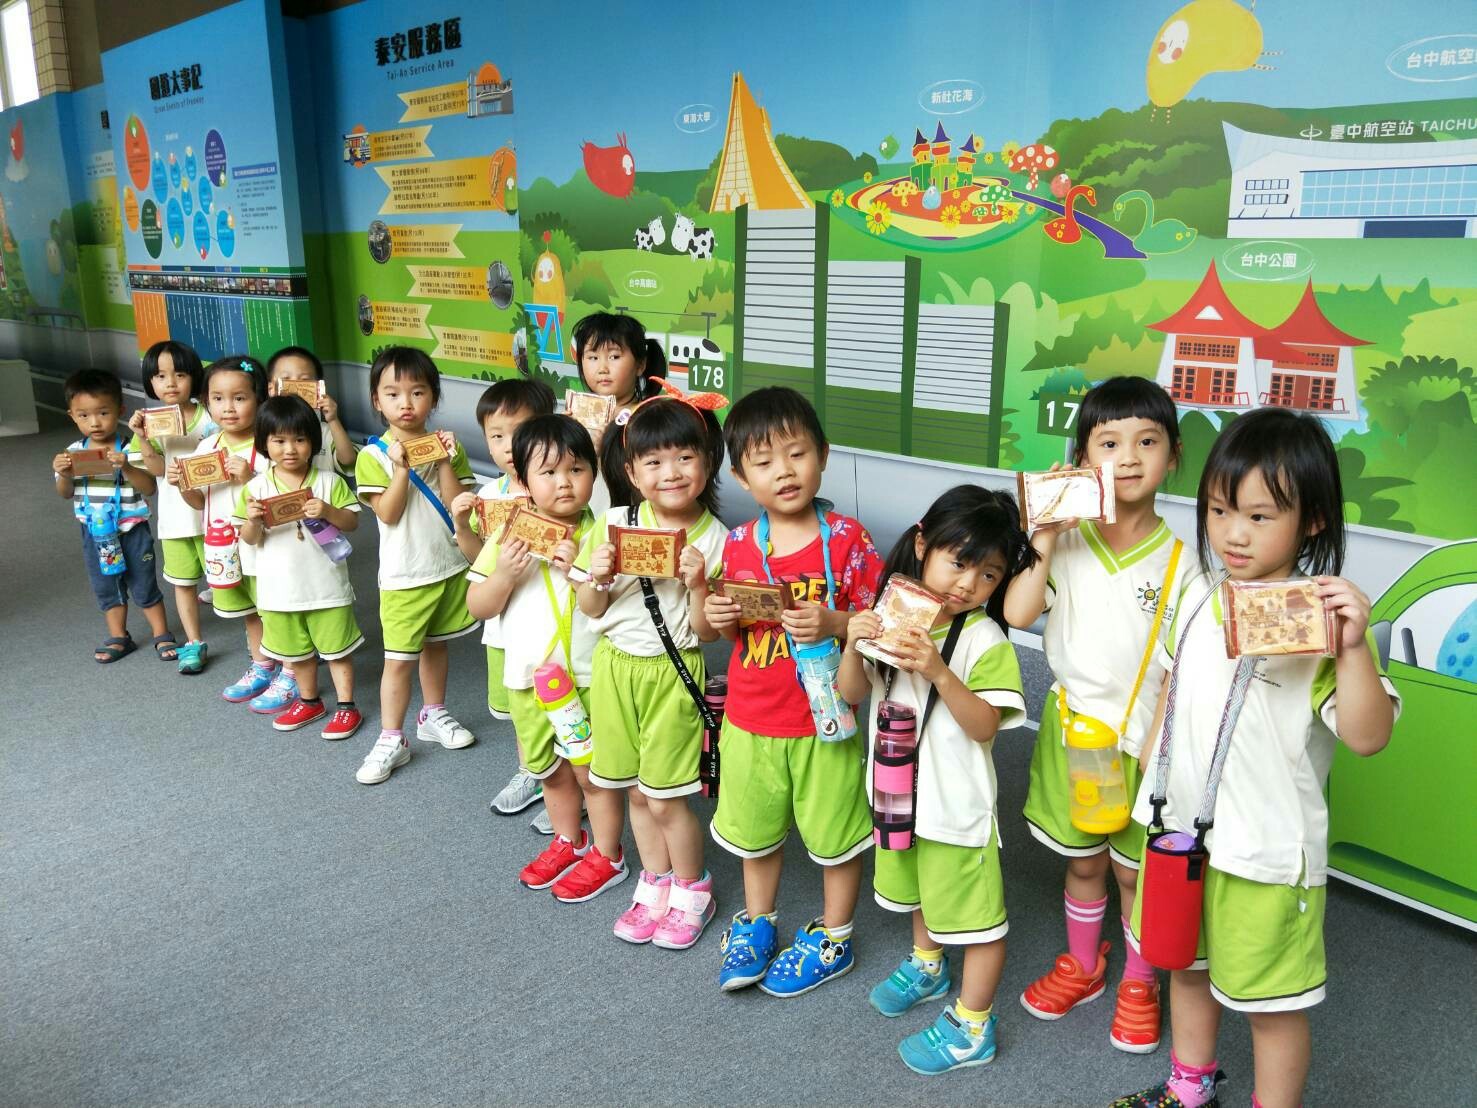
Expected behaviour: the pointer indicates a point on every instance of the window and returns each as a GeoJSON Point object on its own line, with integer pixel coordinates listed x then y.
{"type": "Point", "coordinates": [1404, 191]}
{"type": "Point", "coordinates": [1205, 349]}
{"type": "Point", "coordinates": [20, 85]}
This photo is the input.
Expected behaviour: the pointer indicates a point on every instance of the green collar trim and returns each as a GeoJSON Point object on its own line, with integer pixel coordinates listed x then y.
{"type": "Point", "coordinates": [646, 517]}
{"type": "Point", "coordinates": [1112, 562]}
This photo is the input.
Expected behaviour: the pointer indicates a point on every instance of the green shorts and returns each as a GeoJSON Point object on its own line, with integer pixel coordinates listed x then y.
{"type": "Point", "coordinates": [1263, 944]}
{"type": "Point", "coordinates": [184, 560]}
{"type": "Point", "coordinates": [647, 729]}
{"type": "Point", "coordinates": [537, 751]}
{"type": "Point", "coordinates": [237, 602]}
{"type": "Point", "coordinates": [327, 633]}
{"type": "Point", "coordinates": [771, 783]}
{"type": "Point", "coordinates": [1046, 800]}
{"type": "Point", "coordinates": [497, 692]}
{"type": "Point", "coordinates": [410, 618]}
{"type": "Point", "coordinates": [958, 888]}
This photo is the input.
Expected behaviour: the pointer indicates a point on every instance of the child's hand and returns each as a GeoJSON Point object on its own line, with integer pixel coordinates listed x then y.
{"type": "Point", "coordinates": [448, 440]}
{"type": "Point", "coordinates": [692, 568]}
{"type": "Point", "coordinates": [863, 625]}
{"type": "Point", "coordinates": [136, 424]}
{"type": "Point", "coordinates": [513, 559]}
{"type": "Point", "coordinates": [255, 513]}
{"type": "Point", "coordinates": [395, 451]}
{"type": "Point", "coordinates": [117, 459]}
{"type": "Point", "coordinates": [805, 622]}
{"type": "Point", "coordinates": [721, 612]}
{"type": "Point", "coordinates": [463, 503]}
{"type": "Point", "coordinates": [328, 406]}
{"type": "Point", "coordinates": [602, 564]}
{"type": "Point", "coordinates": [315, 507]}
{"type": "Point", "coordinates": [237, 468]}
{"type": "Point", "coordinates": [564, 554]}
{"type": "Point", "coordinates": [1345, 600]}
{"type": "Point", "coordinates": [61, 465]}
{"type": "Point", "coordinates": [175, 473]}
{"type": "Point", "coordinates": [918, 654]}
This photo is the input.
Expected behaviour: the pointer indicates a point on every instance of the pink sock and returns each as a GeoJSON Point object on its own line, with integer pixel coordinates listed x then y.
{"type": "Point", "coordinates": [1194, 1085]}
{"type": "Point", "coordinates": [1084, 929]}
{"type": "Point", "coordinates": [1134, 965]}
{"type": "Point", "coordinates": [426, 710]}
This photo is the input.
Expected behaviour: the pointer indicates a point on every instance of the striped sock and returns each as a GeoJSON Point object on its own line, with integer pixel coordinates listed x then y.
{"type": "Point", "coordinates": [1084, 929]}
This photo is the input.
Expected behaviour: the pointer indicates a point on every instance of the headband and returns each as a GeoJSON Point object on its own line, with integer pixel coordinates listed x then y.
{"type": "Point", "coordinates": [697, 403]}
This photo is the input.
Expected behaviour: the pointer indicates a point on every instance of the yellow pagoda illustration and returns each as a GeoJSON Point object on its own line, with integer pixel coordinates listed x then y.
{"type": "Point", "coordinates": [751, 170]}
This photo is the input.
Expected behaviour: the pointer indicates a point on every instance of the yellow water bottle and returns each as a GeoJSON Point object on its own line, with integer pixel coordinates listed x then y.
{"type": "Point", "coordinates": [1097, 798]}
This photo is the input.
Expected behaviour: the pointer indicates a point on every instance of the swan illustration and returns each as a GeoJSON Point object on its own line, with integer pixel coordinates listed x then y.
{"type": "Point", "coordinates": [1165, 237]}
{"type": "Point", "coordinates": [1064, 227]}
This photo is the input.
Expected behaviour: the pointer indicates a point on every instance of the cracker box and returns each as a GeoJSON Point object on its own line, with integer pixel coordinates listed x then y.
{"type": "Point", "coordinates": [759, 601]}
{"type": "Point", "coordinates": [590, 410]}
{"type": "Point", "coordinates": [285, 508]}
{"type": "Point", "coordinates": [493, 514]}
{"type": "Point", "coordinates": [163, 423]}
{"type": "Point", "coordinates": [91, 461]}
{"type": "Point", "coordinates": [1085, 492]}
{"type": "Point", "coordinates": [202, 470]}
{"type": "Point", "coordinates": [1276, 617]}
{"type": "Point", "coordinates": [424, 449]}
{"type": "Point", "coordinates": [310, 391]}
{"type": "Point", "coordinates": [647, 551]}
{"type": "Point", "coordinates": [542, 534]}
{"type": "Point", "coordinates": [904, 603]}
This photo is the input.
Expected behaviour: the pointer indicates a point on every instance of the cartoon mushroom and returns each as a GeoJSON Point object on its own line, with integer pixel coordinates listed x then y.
{"type": "Point", "coordinates": [994, 195]}
{"type": "Point", "coordinates": [1034, 160]}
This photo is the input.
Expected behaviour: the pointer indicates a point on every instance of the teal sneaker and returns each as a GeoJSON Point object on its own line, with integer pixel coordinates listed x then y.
{"type": "Point", "coordinates": [809, 963]}
{"type": "Point", "coordinates": [747, 947]}
{"type": "Point", "coordinates": [947, 1045]}
{"type": "Point", "coordinates": [909, 986]}
{"type": "Point", "coordinates": [192, 657]}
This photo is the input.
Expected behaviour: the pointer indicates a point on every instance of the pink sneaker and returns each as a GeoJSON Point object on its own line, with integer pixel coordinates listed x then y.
{"type": "Point", "coordinates": [690, 908]}
{"type": "Point", "coordinates": [638, 922]}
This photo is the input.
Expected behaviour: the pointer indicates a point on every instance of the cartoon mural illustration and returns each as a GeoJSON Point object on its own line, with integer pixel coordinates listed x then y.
{"type": "Point", "coordinates": [16, 168]}
{"type": "Point", "coordinates": [548, 279]}
{"type": "Point", "coordinates": [1065, 228]}
{"type": "Point", "coordinates": [750, 170]}
{"type": "Point", "coordinates": [611, 169]}
{"type": "Point", "coordinates": [1205, 36]}
{"type": "Point", "coordinates": [1164, 237]}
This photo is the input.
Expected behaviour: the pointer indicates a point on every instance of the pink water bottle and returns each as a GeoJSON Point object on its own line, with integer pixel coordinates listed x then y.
{"type": "Point", "coordinates": [557, 695]}
{"type": "Point", "coordinates": [222, 556]}
{"type": "Point", "coordinates": [715, 692]}
{"type": "Point", "coordinates": [894, 776]}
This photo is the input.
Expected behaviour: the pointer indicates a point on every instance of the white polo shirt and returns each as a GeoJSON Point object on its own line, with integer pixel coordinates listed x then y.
{"type": "Point", "coordinates": [294, 573]}
{"type": "Point", "coordinates": [419, 549]}
{"type": "Point", "coordinates": [500, 488]}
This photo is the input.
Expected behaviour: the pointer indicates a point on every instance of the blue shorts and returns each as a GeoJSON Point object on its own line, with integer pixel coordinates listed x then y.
{"type": "Point", "coordinates": [138, 578]}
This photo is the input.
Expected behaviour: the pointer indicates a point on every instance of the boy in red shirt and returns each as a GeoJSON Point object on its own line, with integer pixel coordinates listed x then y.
{"type": "Point", "coordinates": [776, 771]}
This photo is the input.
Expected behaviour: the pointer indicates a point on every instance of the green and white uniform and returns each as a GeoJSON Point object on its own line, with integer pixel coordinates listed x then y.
{"type": "Point", "coordinates": [220, 507]}
{"type": "Point", "coordinates": [492, 629]}
{"type": "Point", "coordinates": [177, 525]}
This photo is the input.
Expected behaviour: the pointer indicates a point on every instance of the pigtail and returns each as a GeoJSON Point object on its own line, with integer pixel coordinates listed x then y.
{"type": "Point", "coordinates": [903, 557]}
{"type": "Point", "coordinates": [613, 468]}
{"type": "Point", "coordinates": [655, 366]}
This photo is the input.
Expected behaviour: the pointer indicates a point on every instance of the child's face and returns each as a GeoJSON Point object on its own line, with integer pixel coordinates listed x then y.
{"type": "Point", "coordinates": [232, 401]}
{"type": "Point", "coordinates": [783, 472]}
{"type": "Point", "coordinates": [1137, 451]}
{"type": "Point", "coordinates": [170, 385]}
{"type": "Point", "coordinates": [963, 585]}
{"type": "Point", "coordinates": [405, 402]}
{"type": "Point", "coordinates": [498, 429]}
{"type": "Point", "coordinates": [1257, 540]}
{"type": "Point", "coordinates": [610, 370]}
{"type": "Point", "coordinates": [560, 484]}
{"type": "Point", "coordinates": [291, 450]}
{"type": "Point", "coordinates": [294, 368]}
{"type": "Point", "coordinates": [670, 479]}
{"type": "Point", "coordinates": [96, 416]}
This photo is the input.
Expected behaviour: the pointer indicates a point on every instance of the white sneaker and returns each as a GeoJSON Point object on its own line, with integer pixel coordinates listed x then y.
{"type": "Point", "coordinates": [521, 791]}
{"type": "Point", "coordinates": [440, 727]}
{"type": "Point", "coordinates": [542, 824]}
{"type": "Point", "coordinates": [498, 713]}
{"type": "Point", "coordinates": [389, 754]}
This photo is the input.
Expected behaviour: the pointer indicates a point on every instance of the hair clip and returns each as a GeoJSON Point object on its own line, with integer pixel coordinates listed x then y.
{"type": "Point", "coordinates": [247, 367]}
{"type": "Point", "coordinates": [623, 416]}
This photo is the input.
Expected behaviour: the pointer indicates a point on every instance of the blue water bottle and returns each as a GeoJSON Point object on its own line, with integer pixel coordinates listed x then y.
{"type": "Point", "coordinates": [102, 525]}
{"type": "Point", "coordinates": [818, 664]}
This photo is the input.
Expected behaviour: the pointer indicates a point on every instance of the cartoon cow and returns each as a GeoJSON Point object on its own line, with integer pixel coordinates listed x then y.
{"type": "Point", "coordinates": [682, 229]}
{"type": "Point", "coordinates": [643, 239]}
{"type": "Point", "coordinates": [701, 245]}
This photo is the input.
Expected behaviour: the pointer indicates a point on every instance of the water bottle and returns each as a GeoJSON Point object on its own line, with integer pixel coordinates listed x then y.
{"type": "Point", "coordinates": [557, 695]}
{"type": "Point", "coordinates": [222, 556]}
{"type": "Point", "coordinates": [102, 525]}
{"type": "Point", "coordinates": [894, 776]}
{"type": "Point", "coordinates": [818, 664]}
{"type": "Point", "coordinates": [330, 538]}
{"type": "Point", "coordinates": [715, 692]}
{"type": "Point", "coordinates": [1172, 899]}
{"type": "Point", "coordinates": [1097, 797]}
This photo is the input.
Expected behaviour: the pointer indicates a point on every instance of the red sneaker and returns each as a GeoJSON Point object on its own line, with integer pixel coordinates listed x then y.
{"type": "Point", "coordinates": [1136, 1017]}
{"type": "Point", "coordinates": [299, 715]}
{"type": "Point", "coordinates": [558, 858]}
{"type": "Point", "coordinates": [344, 723]}
{"type": "Point", "coordinates": [1067, 985]}
{"type": "Point", "coordinates": [594, 874]}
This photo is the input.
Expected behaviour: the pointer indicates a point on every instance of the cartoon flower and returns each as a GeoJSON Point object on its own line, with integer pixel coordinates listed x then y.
{"type": "Point", "coordinates": [1008, 212]}
{"type": "Point", "coordinates": [1009, 150]}
{"type": "Point", "coordinates": [949, 217]}
{"type": "Point", "coordinates": [989, 157]}
{"type": "Point", "coordinates": [867, 177]}
{"type": "Point", "coordinates": [879, 218]}
{"type": "Point", "coordinates": [837, 198]}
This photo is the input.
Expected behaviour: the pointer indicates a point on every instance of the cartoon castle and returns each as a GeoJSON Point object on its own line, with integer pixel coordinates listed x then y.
{"type": "Point", "coordinates": [932, 165]}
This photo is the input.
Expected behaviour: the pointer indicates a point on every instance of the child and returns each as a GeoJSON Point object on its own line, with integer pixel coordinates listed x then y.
{"type": "Point", "coordinates": [1270, 506]}
{"type": "Point", "coordinates": [306, 601]}
{"type": "Point", "coordinates": [776, 771]}
{"type": "Point", "coordinates": [554, 459]}
{"type": "Point", "coordinates": [965, 549]}
{"type": "Point", "coordinates": [114, 517]}
{"type": "Point", "coordinates": [650, 731]}
{"type": "Point", "coordinates": [501, 410]}
{"type": "Point", "coordinates": [234, 388]}
{"type": "Point", "coordinates": [172, 374]}
{"type": "Point", "coordinates": [617, 359]}
{"type": "Point", "coordinates": [298, 363]}
{"type": "Point", "coordinates": [422, 575]}
{"type": "Point", "coordinates": [1101, 584]}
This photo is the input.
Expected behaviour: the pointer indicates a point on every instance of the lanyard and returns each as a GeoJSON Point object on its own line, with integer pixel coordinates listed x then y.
{"type": "Point", "coordinates": [220, 439]}
{"type": "Point", "coordinates": [563, 620]}
{"type": "Point", "coordinates": [419, 482]}
{"type": "Point", "coordinates": [761, 537]}
{"type": "Point", "coordinates": [117, 486]}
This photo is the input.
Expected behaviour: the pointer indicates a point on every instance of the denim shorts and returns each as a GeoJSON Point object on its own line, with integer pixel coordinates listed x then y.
{"type": "Point", "coordinates": [138, 576]}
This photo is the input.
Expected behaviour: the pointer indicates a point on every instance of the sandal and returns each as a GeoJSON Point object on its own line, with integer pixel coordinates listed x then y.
{"type": "Point", "coordinates": [115, 648]}
{"type": "Point", "coordinates": [192, 657]}
{"type": "Point", "coordinates": [166, 646]}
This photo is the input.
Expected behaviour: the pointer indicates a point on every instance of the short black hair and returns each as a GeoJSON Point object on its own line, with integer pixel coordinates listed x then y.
{"type": "Point", "coordinates": [767, 412]}
{"type": "Point", "coordinates": [658, 424]}
{"type": "Point", "coordinates": [546, 435]}
{"type": "Point", "coordinates": [185, 360]}
{"type": "Point", "coordinates": [1295, 456]}
{"type": "Point", "coordinates": [407, 362]}
{"type": "Point", "coordinates": [93, 382]}
{"type": "Point", "coordinates": [516, 394]}
{"type": "Point", "coordinates": [296, 352]}
{"type": "Point", "coordinates": [600, 328]}
{"type": "Point", "coordinates": [239, 363]}
{"type": "Point", "coordinates": [287, 415]}
{"type": "Point", "coordinates": [1126, 398]}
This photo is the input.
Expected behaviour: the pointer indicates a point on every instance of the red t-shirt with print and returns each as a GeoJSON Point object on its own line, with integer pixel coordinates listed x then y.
{"type": "Point", "coordinates": [764, 694]}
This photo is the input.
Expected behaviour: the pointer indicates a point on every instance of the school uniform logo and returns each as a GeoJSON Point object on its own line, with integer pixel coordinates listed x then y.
{"type": "Point", "coordinates": [1148, 598]}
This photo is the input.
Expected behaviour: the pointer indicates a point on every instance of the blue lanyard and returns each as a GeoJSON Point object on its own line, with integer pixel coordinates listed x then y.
{"type": "Point", "coordinates": [117, 486]}
{"type": "Point", "coordinates": [761, 538]}
{"type": "Point", "coordinates": [419, 482]}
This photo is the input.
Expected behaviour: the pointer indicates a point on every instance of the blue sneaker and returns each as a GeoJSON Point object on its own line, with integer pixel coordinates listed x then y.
{"type": "Point", "coordinates": [252, 683]}
{"type": "Point", "coordinates": [277, 697]}
{"type": "Point", "coordinates": [910, 986]}
{"type": "Point", "coordinates": [748, 946]}
{"type": "Point", "coordinates": [948, 1045]}
{"type": "Point", "coordinates": [192, 657]}
{"type": "Point", "coordinates": [813, 960]}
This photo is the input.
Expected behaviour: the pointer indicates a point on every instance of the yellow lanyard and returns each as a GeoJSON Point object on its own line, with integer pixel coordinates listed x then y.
{"type": "Point", "coordinates": [563, 620]}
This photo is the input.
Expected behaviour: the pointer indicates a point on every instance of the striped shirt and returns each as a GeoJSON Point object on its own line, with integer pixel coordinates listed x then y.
{"type": "Point", "coordinates": [97, 493]}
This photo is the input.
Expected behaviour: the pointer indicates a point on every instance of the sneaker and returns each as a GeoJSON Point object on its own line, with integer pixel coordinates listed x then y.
{"type": "Point", "coordinates": [557, 859]}
{"type": "Point", "coordinates": [190, 658]}
{"type": "Point", "coordinates": [521, 791]}
{"type": "Point", "coordinates": [813, 959]}
{"type": "Point", "coordinates": [690, 908]}
{"type": "Point", "coordinates": [389, 754]}
{"type": "Point", "coordinates": [440, 727]}
{"type": "Point", "coordinates": [277, 696]}
{"type": "Point", "coordinates": [300, 715]}
{"type": "Point", "coordinates": [1160, 1096]}
{"type": "Point", "coordinates": [594, 874]}
{"type": "Point", "coordinates": [638, 923]}
{"type": "Point", "coordinates": [344, 723]}
{"type": "Point", "coordinates": [253, 682]}
{"type": "Point", "coordinates": [909, 986]}
{"type": "Point", "coordinates": [1053, 995]}
{"type": "Point", "coordinates": [543, 823]}
{"type": "Point", "coordinates": [1136, 1017]}
{"type": "Point", "coordinates": [498, 713]}
{"type": "Point", "coordinates": [748, 947]}
{"type": "Point", "coordinates": [948, 1045]}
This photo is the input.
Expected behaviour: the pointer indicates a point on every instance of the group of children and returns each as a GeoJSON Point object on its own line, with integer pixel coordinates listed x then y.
{"type": "Point", "coordinates": [1124, 606]}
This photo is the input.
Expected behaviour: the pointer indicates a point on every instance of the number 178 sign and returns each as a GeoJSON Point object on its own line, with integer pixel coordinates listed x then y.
{"type": "Point", "coordinates": [1056, 414]}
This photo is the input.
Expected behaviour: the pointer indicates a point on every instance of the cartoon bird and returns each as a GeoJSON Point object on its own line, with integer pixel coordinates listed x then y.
{"type": "Point", "coordinates": [1205, 36]}
{"type": "Point", "coordinates": [1064, 228]}
{"type": "Point", "coordinates": [611, 169]}
{"type": "Point", "coordinates": [1165, 237]}
{"type": "Point", "coordinates": [548, 280]}
{"type": "Point", "coordinates": [17, 169]}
